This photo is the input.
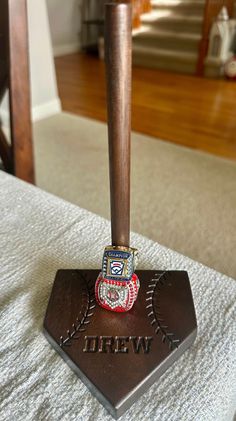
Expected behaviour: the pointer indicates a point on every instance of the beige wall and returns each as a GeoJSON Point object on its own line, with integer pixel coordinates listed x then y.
{"type": "Point", "coordinates": [44, 94]}
{"type": "Point", "coordinates": [65, 25]}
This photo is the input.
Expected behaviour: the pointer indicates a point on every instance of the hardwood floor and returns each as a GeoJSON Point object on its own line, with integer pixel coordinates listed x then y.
{"type": "Point", "coordinates": [190, 111]}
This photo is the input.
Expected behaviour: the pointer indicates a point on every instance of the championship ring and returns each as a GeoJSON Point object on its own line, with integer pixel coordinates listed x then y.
{"type": "Point", "coordinates": [117, 285]}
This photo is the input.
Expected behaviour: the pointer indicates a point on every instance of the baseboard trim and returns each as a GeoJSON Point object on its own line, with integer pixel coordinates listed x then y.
{"type": "Point", "coordinates": [46, 110]}
{"type": "Point", "coordinates": [38, 112]}
{"type": "Point", "coordinates": [64, 49]}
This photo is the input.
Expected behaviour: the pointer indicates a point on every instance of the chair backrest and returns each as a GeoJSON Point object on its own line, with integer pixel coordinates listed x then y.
{"type": "Point", "coordinates": [15, 76]}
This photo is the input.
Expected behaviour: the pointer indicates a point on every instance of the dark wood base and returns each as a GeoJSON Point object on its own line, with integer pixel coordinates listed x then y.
{"type": "Point", "coordinates": [120, 355]}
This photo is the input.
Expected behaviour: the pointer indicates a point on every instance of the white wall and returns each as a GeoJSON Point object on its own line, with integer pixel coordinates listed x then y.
{"type": "Point", "coordinates": [44, 94]}
{"type": "Point", "coordinates": [65, 25]}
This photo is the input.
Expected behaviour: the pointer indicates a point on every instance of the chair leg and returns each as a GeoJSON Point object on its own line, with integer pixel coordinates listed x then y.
{"type": "Point", "coordinates": [19, 92]}
{"type": "Point", "coordinates": [5, 153]}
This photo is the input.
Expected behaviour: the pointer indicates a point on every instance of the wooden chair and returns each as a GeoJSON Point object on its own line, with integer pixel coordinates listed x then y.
{"type": "Point", "coordinates": [17, 157]}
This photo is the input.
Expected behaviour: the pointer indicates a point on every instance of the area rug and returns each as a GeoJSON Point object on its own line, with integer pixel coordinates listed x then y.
{"type": "Point", "coordinates": [181, 198]}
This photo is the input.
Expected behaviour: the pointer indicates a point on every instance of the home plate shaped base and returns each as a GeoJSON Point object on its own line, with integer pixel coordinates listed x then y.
{"type": "Point", "coordinates": [120, 355]}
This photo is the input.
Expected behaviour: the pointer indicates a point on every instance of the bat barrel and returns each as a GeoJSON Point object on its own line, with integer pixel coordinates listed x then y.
{"type": "Point", "coordinates": [118, 45]}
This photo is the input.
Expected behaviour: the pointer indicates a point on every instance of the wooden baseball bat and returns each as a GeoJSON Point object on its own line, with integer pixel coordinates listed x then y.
{"type": "Point", "coordinates": [118, 50]}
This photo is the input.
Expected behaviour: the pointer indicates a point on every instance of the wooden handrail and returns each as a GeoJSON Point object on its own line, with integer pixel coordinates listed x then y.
{"type": "Point", "coordinates": [140, 7]}
{"type": "Point", "coordinates": [211, 11]}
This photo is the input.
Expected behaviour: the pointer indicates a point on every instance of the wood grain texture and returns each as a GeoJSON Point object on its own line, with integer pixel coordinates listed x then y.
{"type": "Point", "coordinates": [14, 74]}
{"type": "Point", "coordinates": [162, 322]}
{"type": "Point", "coordinates": [118, 71]}
{"type": "Point", "coordinates": [19, 92]}
{"type": "Point", "coordinates": [190, 111]}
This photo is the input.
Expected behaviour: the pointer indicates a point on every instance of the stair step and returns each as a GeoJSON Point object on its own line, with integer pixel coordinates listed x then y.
{"type": "Point", "coordinates": [165, 59]}
{"type": "Point", "coordinates": [169, 54]}
{"type": "Point", "coordinates": [185, 7]}
{"type": "Point", "coordinates": [177, 2]}
{"type": "Point", "coordinates": [167, 21]}
{"type": "Point", "coordinates": [169, 36]}
{"type": "Point", "coordinates": [150, 32]}
{"type": "Point", "coordinates": [172, 40]}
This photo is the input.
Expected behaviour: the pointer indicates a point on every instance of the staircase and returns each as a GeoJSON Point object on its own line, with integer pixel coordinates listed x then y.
{"type": "Point", "coordinates": [169, 35]}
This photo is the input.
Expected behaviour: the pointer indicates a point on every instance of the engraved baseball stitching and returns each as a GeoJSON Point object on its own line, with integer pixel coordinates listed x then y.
{"type": "Point", "coordinates": [78, 326]}
{"type": "Point", "coordinates": [157, 317]}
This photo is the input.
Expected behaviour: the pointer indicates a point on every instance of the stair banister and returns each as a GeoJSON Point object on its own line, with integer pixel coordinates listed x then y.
{"type": "Point", "coordinates": [140, 7]}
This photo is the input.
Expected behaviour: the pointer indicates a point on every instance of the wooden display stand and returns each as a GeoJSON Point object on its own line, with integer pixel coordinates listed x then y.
{"type": "Point", "coordinates": [120, 355]}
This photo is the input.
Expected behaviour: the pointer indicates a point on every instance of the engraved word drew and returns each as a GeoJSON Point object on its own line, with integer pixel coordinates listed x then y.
{"type": "Point", "coordinates": [117, 344]}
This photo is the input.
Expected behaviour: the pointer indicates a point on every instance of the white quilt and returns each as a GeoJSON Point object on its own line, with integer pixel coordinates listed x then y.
{"type": "Point", "coordinates": [39, 234]}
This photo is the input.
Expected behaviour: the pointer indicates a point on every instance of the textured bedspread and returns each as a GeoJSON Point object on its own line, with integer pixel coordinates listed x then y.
{"type": "Point", "coordinates": [40, 233]}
